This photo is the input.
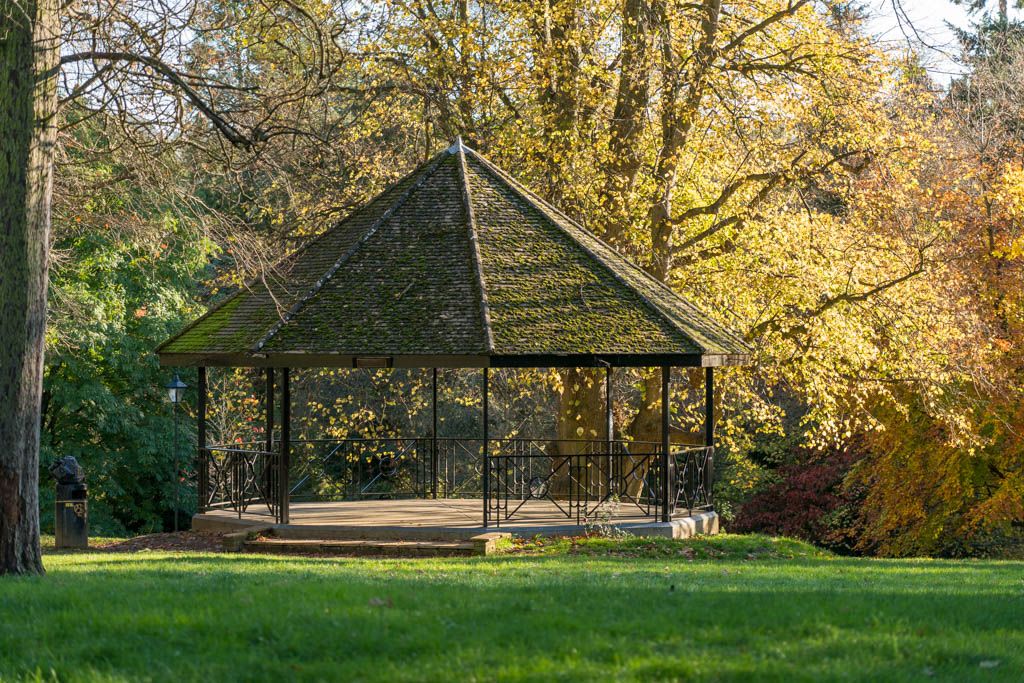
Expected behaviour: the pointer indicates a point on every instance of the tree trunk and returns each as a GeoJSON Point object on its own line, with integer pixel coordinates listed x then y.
{"type": "Point", "coordinates": [646, 424]}
{"type": "Point", "coordinates": [677, 117]}
{"type": "Point", "coordinates": [580, 423]}
{"type": "Point", "coordinates": [29, 54]}
{"type": "Point", "coordinates": [631, 105]}
{"type": "Point", "coordinates": [560, 98]}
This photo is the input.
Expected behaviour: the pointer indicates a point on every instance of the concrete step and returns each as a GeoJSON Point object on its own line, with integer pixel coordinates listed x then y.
{"type": "Point", "coordinates": [367, 547]}
{"type": "Point", "coordinates": [340, 532]}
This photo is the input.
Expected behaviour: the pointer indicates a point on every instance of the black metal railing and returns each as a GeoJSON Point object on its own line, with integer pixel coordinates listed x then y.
{"type": "Point", "coordinates": [243, 478]}
{"type": "Point", "coordinates": [577, 480]}
{"type": "Point", "coordinates": [694, 478]}
{"type": "Point", "coordinates": [354, 469]}
{"type": "Point", "coordinates": [574, 479]}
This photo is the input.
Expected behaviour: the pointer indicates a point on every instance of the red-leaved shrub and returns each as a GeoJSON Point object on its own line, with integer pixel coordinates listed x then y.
{"type": "Point", "coordinates": [808, 502]}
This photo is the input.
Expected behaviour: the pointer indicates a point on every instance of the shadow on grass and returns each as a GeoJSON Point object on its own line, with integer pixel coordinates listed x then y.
{"type": "Point", "coordinates": [968, 568]}
{"type": "Point", "coordinates": [185, 617]}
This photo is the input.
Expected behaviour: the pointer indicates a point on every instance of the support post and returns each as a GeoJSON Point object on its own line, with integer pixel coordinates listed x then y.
{"type": "Point", "coordinates": [270, 484]}
{"type": "Point", "coordinates": [285, 461]}
{"type": "Point", "coordinates": [487, 460]}
{"type": "Point", "coordinates": [204, 454]}
{"type": "Point", "coordinates": [433, 436]}
{"type": "Point", "coordinates": [666, 375]}
{"type": "Point", "coordinates": [609, 427]}
{"type": "Point", "coordinates": [709, 432]}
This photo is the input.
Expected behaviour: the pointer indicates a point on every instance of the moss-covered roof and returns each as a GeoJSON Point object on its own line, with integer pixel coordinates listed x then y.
{"type": "Point", "coordinates": [456, 264]}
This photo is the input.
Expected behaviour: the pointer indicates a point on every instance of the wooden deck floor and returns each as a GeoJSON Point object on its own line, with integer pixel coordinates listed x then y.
{"type": "Point", "coordinates": [462, 514]}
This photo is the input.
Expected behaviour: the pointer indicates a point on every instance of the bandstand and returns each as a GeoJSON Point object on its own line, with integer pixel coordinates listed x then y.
{"type": "Point", "coordinates": [455, 266]}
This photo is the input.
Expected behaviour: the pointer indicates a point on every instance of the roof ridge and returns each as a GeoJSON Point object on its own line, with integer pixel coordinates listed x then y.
{"type": "Point", "coordinates": [188, 328]}
{"type": "Point", "coordinates": [458, 145]}
{"type": "Point", "coordinates": [548, 209]}
{"type": "Point", "coordinates": [248, 285]}
{"type": "Point", "coordinates": [475, 244]}
{"type": "Point", "coordinates": [374, 227]}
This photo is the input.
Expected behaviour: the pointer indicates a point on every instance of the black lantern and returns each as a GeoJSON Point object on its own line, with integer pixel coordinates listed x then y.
{"type": "Point", "coordinates": [176, 389]}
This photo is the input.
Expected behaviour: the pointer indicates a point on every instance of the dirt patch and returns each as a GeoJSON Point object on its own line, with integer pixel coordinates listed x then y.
{"type": "Point", "coordinates": [181, 541]}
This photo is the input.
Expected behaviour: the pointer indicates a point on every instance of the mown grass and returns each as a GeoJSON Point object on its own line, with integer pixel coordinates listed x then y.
{"type": "Point", "coordinates": [727, 608]}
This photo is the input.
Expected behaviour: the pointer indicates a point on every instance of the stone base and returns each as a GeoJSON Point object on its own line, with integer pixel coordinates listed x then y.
{"type": "Point", "coordinates": [702, 523]}
{"type": "Point", "coordinates": [365, 521]}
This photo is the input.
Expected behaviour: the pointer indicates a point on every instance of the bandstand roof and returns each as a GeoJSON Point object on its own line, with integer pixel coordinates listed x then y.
{"type": "Point", "coordinates": [456, 265]}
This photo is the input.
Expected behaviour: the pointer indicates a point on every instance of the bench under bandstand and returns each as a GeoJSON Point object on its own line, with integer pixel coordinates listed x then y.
{"type": "Point", "coordinates": [457, 266]}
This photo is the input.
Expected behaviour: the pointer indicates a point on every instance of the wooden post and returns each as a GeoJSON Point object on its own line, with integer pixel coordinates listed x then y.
{"type": "Point", "coordinates": [433, 435]}
{"type": "Point", "coordinates": [666, 375]}
{"type": "Point", "coordinates": [203, 453]}
{"type": "Point", "coordinates": [286, 429]}
{"type": "Point", "coordinates": [487, 460]}
{"type": "Point", "coordinates": [709, 431]}
{"type": "Point", "coordinates": [609, 427]}
{"type": "Point", "coordinates": [270, 484]}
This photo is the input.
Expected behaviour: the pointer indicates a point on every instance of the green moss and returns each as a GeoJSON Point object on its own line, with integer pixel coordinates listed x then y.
{"type": "Point", "coordinates": [205, 334]}
{"type": "Point", "coordinates": [409, 284]}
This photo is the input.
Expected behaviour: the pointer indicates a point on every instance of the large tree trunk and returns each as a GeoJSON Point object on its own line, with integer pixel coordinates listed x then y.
{"type": "Point", "coordinates": [646, 424]}
{"type": "Point", "coordinates": [29, 54]}
{"type": "Point", "coordinates": [580, 423]}
{"type": "Point", "coordinates": [684, 93]}
{"type": "Point", "coordinates": [631, 107]}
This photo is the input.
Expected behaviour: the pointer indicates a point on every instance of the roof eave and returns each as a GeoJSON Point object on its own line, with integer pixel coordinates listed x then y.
{"type": "Point", "coordinates": [716, 360]}
{"type": "Point", "coordinates": [427, 360]}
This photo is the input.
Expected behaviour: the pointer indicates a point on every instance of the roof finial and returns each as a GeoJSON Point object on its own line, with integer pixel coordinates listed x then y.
{"type": "Point", "coordinates": [457, 146]}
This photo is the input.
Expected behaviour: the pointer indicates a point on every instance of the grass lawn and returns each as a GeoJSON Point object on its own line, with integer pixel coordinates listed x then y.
{"type": "Point", "coordinates": [727, 608]}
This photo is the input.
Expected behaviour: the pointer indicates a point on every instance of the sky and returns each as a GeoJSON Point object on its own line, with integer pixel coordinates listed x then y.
{"type": "Point", "coordinates": [922, 23]}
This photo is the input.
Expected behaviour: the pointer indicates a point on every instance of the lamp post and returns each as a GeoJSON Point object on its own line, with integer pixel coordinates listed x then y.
{"type": "Point", "coordinates": [176, 391]}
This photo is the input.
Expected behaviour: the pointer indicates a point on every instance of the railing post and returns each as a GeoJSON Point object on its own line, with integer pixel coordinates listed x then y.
{"type": "Point", "coordinates": [285, 461]}
{"type": "Point", "coordinates": [204, 454]}
{"type": "Point", "coordinates": [237, 477]}
{"type": "Point", "coordinates": [709, 433]}
{"type": "Point", "coordinates": [666, 375]}
{"type": "Point", "coordinates": [487, 460]}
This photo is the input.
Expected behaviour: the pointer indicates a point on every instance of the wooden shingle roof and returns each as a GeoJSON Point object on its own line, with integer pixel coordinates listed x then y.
{"type": "Point", "coordinates": [456, 265]}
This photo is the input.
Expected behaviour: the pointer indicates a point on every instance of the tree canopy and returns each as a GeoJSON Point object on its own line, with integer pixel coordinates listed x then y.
{"type": "Point", "coordinates": [860, 226]}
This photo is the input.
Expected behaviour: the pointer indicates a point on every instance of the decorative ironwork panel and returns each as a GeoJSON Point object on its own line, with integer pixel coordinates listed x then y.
{"type": "Point", "coordinates": [243, 479]}
{"type": "Point", "coordinates": [694, 475]}
{"type": "Point", "coordinates": [578, 478]}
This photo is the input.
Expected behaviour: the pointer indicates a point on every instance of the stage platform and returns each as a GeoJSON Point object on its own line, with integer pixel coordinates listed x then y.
{"type": "Point", "coordinates": [441, 519]}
